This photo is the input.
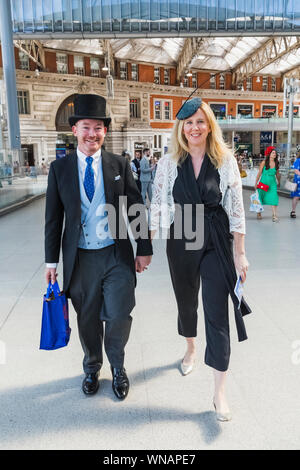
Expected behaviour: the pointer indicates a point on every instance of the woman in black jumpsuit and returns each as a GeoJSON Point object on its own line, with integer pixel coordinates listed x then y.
{"type": "Point", "coordinates": [187, 266]}
{"type": "Point", "coordinates": [198, 182]}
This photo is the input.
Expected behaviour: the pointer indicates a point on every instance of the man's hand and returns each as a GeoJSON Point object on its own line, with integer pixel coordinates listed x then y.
{"type": "Point", "coordinates": [50, 275]}
{"type": "Point", "coordinates": [141, 263]}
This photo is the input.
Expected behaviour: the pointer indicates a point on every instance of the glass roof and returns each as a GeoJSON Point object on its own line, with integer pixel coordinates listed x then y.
{"type": "Point", "coordinates": [155, 30]}
{"type": "Point", "coordinates": [163, 16]}
{"type": "Point", "coordinates": [215, 54]}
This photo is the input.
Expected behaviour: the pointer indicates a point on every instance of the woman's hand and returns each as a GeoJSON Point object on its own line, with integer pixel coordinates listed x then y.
{"type": "Point", "coordinates": [142, 262]}
{"type": "Point", "coordinates": [241, 265]}
{"type": "Point", "coordinates": [152, 234]}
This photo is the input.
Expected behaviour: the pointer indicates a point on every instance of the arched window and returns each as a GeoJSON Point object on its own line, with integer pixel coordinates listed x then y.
{"type": "Point", "coordinates": [65, 110]}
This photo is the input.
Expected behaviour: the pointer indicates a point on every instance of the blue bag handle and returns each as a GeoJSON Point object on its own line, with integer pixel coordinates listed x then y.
{"type": "Point", "coordinates": [53, 288]}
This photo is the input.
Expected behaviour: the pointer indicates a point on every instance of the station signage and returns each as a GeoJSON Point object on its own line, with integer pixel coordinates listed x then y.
{"type": "Point", "coordinates": [140, 145]}
{"type": "Point", "coordinates": [266, 137]}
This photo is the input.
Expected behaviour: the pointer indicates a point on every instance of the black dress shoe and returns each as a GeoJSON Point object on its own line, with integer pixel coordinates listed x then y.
{"type": "Point", "coordinates": [90, 383]}
{"type": "Point", "coordinates": [120, 383]}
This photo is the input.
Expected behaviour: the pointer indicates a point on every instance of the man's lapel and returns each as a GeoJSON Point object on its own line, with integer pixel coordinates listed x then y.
{"type": "Point", "coordinates": [109, 173]}
{"type": "Point", "coordinates": [73, 178]}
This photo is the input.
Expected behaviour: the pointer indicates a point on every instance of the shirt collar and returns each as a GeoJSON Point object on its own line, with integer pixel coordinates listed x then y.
{"type": "Point", "coordinates": [82, 156]}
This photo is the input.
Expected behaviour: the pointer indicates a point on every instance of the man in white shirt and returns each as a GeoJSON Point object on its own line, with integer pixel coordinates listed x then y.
{"type": "Point", "coordinates": [99, 265]}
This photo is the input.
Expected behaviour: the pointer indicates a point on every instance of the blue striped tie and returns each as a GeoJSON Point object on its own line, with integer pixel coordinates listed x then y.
{"type": "Point", "coordinates": [88, 183]}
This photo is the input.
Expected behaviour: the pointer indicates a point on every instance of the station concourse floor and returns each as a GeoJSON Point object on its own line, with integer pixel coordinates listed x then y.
{"type": "Point", "coordinates": [43, 406]}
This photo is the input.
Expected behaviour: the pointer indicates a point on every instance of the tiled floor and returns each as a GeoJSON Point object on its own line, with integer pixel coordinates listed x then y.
{"type": "Point", "coordinates": [43, 407]}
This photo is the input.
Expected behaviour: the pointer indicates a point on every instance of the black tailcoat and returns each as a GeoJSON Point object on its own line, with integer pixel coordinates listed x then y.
{"type": "Point", "coordinates": [63, 209]}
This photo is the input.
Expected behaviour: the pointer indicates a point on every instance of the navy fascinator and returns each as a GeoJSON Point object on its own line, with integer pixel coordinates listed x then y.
{"type": "Point", "coordinates": [189, 108]}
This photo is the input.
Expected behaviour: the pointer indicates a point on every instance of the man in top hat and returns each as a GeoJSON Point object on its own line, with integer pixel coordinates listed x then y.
{"type": "Point", "coordinates": [98, 264]}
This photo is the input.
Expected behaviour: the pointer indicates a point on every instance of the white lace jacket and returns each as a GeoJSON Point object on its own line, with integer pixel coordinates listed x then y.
{"type": "Point", "coordinates": [162, 207]}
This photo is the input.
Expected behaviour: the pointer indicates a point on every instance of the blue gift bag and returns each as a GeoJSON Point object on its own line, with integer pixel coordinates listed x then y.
{"type": "Point", "coordinates": [55, 331]}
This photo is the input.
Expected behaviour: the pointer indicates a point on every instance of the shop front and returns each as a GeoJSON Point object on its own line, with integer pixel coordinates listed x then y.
{"type": "Point", "coordinates": [219, 110]}
{"type": "Point", "coordinates": [243, 142]}
{"type": "Point", "coordinates": [268, 110]}
{"type": "Point", "coordinates": [245, 111]}
{"type": "Point", "coordinates": [66, 143]}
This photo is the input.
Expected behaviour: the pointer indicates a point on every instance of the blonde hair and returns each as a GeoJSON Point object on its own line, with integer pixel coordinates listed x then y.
{"type": "Point", "coordinates": [216, 147]}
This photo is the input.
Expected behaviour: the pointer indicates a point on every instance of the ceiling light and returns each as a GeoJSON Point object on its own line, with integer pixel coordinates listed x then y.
{"type": "Point", "coordinates": [189, 74]}
{"type": "Point", "coordinates": [105, 66]}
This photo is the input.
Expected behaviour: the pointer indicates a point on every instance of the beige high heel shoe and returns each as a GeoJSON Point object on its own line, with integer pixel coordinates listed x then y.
{"type": "Point", "coordinates": [187, 368]}
{"type": "Point", "coordinates": [222, 416]}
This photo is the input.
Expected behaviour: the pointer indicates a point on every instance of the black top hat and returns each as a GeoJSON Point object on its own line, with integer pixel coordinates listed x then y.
{"type": "Point", "coordinates": [89, 107]}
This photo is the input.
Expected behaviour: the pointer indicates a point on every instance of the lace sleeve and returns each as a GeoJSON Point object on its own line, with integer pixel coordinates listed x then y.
{"type": "Point", "coordinates": [236, 210]}
{"type": "Point", "coordinates": [162, 206]}
{"type": "Point", "coordinates": [157, 197]}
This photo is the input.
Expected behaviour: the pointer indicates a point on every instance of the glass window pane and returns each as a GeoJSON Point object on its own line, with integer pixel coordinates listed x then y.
{"type": "Point", "coordinates": [123, 70]}
{"type": "Point", "coordinates": [95, 63]}
{"type": "Point", "coordinates": [23, 101]}
{"type": "Point", "coordinates": [62, 63]}
{"type": "Point", "coordinates": [79, 64]}
{"type": "Point", "coordinates": [166, 76]}
{"type": "Point", "coordinates": [157, 108]}
{"type": "Point", "coordinates": [24, 60]}
{"type": "Point", "coordinates": [167, 105]}
{"type": "Point", "coordinates": [78, 61]}
{"type": "Point", "coordinates": [134, 72]}
{"type": "Point", "coordinates": [164, 15]}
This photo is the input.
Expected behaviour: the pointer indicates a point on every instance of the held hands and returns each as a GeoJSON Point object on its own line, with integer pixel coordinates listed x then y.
{"type": "Point", "coordinates": [51, 275]}
{"type": "Point", "coordinates": [241, 265]}
{"type": "Point", "coordinates": [141, 263]}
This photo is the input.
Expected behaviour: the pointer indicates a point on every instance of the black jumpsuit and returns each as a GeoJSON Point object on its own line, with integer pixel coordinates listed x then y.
{"type": "Point", "coordinates": [213, 263]}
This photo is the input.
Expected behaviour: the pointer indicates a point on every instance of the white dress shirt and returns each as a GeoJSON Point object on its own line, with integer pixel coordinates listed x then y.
{"type": "Point", "coordinates": [82, 166]}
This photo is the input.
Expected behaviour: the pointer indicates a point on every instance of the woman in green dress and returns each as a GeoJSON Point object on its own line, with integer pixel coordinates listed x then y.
{"type": "Point", "coordinates": [268, 173]}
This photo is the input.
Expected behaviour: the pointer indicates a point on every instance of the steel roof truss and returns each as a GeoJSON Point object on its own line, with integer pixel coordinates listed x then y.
{"type": "Point", "coordinates": [271, 51]}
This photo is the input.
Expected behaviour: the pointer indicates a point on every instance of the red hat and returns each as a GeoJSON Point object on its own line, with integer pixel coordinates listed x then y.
{"type": "Point", "coordinates": [269, 150]}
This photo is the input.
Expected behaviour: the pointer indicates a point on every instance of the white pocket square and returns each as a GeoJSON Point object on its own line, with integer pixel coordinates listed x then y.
{"type": "Point", "coordinates": [117, 177]}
